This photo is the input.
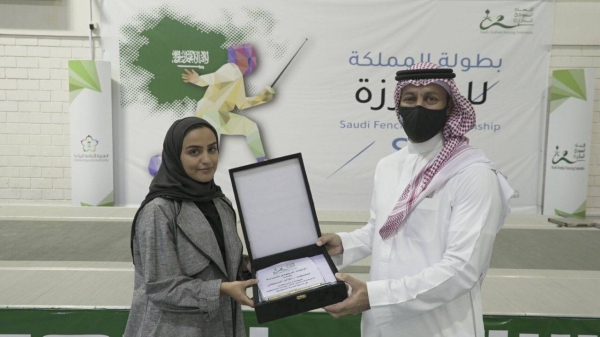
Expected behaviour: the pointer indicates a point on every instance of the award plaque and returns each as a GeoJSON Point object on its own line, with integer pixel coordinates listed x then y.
{"type": "Point", "coordinates": [281, 228]}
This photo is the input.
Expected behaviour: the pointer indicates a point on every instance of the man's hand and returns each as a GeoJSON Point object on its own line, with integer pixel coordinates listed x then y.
{"type": "Point", "coordinates": [332, 242]}
{"type": "Point", "coordinates": [357, 301]}
{"type": "Point", "coordinates": [190, 76]}
{"type": "Point", "coordinates": [237, 291]}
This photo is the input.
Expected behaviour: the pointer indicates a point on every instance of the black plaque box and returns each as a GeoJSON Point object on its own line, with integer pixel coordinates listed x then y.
{"type": "Point", "coordinates": [279, 222]}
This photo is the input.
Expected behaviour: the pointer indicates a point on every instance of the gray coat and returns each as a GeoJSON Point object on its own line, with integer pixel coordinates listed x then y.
{"type": "Point", "coordinates": [178, 273]}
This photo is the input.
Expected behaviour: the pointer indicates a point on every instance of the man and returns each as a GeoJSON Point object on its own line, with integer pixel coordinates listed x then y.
{"type": "Point", "coordinates": [436, 208]}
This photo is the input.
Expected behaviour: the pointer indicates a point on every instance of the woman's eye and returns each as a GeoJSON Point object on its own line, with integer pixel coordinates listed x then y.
{"type": "Point", "coordinates": [194, 152]}
{"type": "Point", "coordinates": [213, 150]}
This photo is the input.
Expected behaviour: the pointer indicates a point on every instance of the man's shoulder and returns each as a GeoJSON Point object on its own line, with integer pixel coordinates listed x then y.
{"type": "Point", "coordinates": [391, 160]}
{"type": "Point", "coordinates": [475, 179]}
{"type": "Point", "coordinates": [479, 165]}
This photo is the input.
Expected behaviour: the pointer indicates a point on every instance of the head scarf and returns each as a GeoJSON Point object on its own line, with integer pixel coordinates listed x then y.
{"type": "Point", "coordinates": [460, 121]}
{"type": "Point", "coordinates": [171, 181]}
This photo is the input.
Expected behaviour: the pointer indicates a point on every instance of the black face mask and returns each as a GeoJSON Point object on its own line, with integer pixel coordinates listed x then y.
{"type": "Point", "coordinates": [421, 124]}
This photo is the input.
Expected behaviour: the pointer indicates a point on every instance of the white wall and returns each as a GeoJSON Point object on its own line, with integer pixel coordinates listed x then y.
{"type": "Point", "coordinates": [576, 23]}
{"type": "Point", "coordinates": [34, 117]}
{"type": "Point", "coordinates": [34, 96]}
{"type": "Point", "coordinates": [47, 17]}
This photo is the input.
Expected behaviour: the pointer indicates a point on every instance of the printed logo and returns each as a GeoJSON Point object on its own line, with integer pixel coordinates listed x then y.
{"type": "Point", "coordinates": [563, 156]}
{"type": "Point", "coordinates": [89, 144]}
{"type": "Point", "coordinates": [521, 17]}
{"type": "Point", "coordinates": [284, 268]}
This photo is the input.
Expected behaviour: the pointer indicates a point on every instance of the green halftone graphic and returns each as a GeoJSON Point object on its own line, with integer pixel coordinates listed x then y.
{"type": "Point", "coordinates": [150, 79]}
{"type": "Point", "coordinates": [579, 212]}
{"type": "Point", "coordinates": [567, 84]}
{"type": "Point", "coordinates": [156, 57]}
{"type": "Point", "coordinates": [82, 75]}
{"type": "Point", "coordinates": [108, 201]}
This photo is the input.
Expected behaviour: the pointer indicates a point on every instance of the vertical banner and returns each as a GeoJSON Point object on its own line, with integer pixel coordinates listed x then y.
{"type": "Point", "coordinates": [91, 133]}
{"type": "Point", "coordinates": [569, 142]}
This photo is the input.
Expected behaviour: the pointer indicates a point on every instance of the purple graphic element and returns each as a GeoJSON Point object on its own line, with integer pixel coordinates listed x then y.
{"type": "Point", "coordinates": [244, 56]}
{"type": "Point", "coordinates": [154, 164]}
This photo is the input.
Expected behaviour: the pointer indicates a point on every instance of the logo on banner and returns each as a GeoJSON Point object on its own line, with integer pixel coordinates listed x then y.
{"type": "Point", "coordinates": [89, 151]}
{"type": "Point", "coordinates": [578, 155]}
{"type": "Point", "coordinates": [569, 159]}
{"type": "Point", "coordinates": [89, 144]}
{"type": "Point", "coordinates": [499, 24]}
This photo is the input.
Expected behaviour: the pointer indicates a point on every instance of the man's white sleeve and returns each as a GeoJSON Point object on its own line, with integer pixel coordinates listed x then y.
{"type": "Point", "coordinates": [359, 243]}
{"type": "Point", "coordinates": [476, 213]}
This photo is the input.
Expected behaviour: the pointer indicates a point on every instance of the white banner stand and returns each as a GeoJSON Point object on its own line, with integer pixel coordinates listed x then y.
{"type": "Point", "coordinates": [569, 142]}
{"type": "Point", "coordinates": [91, 133]}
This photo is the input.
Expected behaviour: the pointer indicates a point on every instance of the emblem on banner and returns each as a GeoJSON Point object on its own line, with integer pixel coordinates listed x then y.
{"type": "Point", "coordinates": [563, 156]}
{"type": "Point", "coordinates": [521, 17]}
{"type": "Point", "coordinates": [89, 144]}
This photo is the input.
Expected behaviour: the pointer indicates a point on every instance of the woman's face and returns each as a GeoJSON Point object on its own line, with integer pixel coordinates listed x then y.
{"type": "Point", "coordinates": [200, 154]}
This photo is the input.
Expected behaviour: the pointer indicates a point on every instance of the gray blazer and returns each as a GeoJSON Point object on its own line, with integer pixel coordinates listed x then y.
{"type": "Point", "coordinates": [178, 273]}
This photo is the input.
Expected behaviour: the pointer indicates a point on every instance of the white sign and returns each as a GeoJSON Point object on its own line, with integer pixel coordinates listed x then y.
{"type": "Point", "coordinates": [569, 142]}
{"type": "Point", "coordinates": [334, 102]}
{"type": "Point", "coordinates": [287, 277]}
{"type": "Point", "coordinates": [91, 133]}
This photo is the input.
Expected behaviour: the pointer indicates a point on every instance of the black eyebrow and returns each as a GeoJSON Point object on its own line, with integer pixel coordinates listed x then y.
{"type": "Point", "coordinates": [198, 146]}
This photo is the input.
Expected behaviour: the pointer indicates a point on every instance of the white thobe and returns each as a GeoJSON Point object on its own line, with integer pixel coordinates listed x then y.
{"type": "Point", "coordinates": [425, 279]}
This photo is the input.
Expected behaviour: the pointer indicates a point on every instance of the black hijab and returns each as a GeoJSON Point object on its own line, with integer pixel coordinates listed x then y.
{"type": "Point", "coordinates": [171, 181]}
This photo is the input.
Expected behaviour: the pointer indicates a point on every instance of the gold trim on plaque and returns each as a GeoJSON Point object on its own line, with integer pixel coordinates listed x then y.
{"type": "Point", "coordinates": [301, 297]}
{"type": "Point", "coordinates": [295, 291]}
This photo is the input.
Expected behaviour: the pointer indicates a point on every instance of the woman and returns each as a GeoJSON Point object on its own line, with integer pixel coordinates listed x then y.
{"type": "Point", "coordinates": [186, 251]}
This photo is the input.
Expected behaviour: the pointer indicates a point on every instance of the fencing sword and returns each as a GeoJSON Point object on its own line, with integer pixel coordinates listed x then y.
{"type": "Point", "coordinates": [281, 73]}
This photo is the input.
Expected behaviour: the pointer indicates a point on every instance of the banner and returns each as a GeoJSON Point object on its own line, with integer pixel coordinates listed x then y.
{"type": "Point", "coordinates": [569, 142]}
{"type": "Point", "coordinates": [91, 133]}
{"type": "Point", "coordinates": [334, 101]}
{"type": "Point", "coordinates": [111, 323]}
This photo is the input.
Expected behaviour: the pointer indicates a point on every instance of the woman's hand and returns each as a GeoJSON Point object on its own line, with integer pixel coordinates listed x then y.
{"type": "Point", "coordinates": [237, 291]}
{"type": "Point", "coordinates": [246, 265]}
{"type": "Point", "coordinates": [190, 76]}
